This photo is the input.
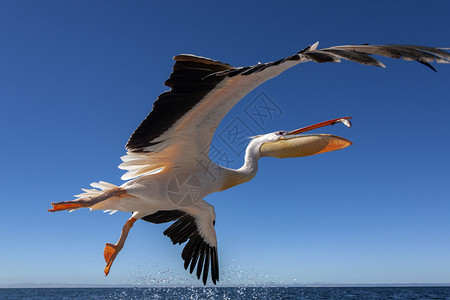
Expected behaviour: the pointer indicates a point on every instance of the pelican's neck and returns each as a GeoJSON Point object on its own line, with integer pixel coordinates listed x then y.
{"type": "Point", "coordinates": [247, 171]}
{"type": "Point", "coordinates": [252, 155]}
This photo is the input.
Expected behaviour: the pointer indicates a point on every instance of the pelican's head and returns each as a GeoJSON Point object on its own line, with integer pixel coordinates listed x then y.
{"type": "Point", "coordinates": [282, 144]}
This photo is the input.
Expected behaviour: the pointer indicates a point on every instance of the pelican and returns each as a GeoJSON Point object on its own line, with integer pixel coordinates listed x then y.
{"type": "Point", "coordinates": [167, 153]}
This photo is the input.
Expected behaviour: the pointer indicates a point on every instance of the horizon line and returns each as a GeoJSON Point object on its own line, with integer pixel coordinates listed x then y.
{"type": "Point", "coordinates": [268, 285]}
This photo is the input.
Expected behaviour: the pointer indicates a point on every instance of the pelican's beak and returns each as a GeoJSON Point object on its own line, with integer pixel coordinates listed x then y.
{"type": "Point", "coordinates": [294, 145]}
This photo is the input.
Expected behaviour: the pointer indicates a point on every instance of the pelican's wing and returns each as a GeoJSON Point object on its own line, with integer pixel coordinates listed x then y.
{"type": "Point", "coordinates": [198, 230]}
{"type": "Point", "coordinates": [183, 120]}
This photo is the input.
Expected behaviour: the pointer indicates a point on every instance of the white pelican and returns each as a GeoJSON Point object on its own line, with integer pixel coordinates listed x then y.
{"type": "Point", "coordinates": [167, 153]}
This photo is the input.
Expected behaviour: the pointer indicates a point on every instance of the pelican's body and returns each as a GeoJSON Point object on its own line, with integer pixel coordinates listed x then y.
{"type": "Point", "coordinates": [149, 193]}
{"type": "Point", "coordinates": [168, 168]}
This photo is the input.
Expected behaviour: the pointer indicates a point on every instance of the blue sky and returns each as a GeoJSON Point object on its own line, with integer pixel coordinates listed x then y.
{"type": "Point", "coordinates": [79, 76]}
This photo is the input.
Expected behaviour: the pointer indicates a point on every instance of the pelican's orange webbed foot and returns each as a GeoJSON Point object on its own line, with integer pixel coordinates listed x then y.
{"type": "Point", "coordinates": [67, 205]}
{"type": "Point", "coordinates": [111, 251]}
{"type": "Point", "coordinates": [110, 254]}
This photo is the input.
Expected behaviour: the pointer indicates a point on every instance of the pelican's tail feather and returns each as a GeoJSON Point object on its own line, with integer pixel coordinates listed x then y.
{"type": "Point", "coordinates": [98, 189]}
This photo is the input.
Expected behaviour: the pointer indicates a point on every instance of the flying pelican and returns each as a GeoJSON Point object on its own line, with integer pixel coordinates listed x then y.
{"type": "Point", "coordinates": [167, 154]}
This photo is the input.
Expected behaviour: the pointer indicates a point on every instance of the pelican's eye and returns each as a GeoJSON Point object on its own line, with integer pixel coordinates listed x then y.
{"type": "Point", "coordinates": [282, 132]}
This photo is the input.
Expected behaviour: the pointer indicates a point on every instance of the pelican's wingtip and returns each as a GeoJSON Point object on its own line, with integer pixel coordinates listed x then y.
{"type": "Point", "coordinates": [314, 46]}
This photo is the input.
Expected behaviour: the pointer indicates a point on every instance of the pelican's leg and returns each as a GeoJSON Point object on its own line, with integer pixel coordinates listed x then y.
{"type": "Point", "coordinates": [111, 250]}
{"type": "Point", "coordinates": [88, 202]}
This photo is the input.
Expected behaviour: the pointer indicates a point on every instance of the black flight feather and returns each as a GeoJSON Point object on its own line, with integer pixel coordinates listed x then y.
{"type": "Point", "coordinates": [196, 253]}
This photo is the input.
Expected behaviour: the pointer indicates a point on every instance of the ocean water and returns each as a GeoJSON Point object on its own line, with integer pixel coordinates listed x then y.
{"type": "Point", "coordinates": [230, 293]}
